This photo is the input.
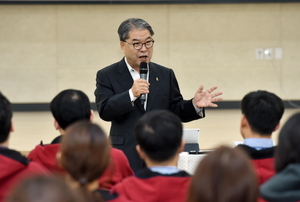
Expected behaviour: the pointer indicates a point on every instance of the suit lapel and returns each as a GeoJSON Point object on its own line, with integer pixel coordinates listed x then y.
{"type": "Point", "coordinates": [124, 77]}
{"type": "Point", "coordinates": [154, 85]}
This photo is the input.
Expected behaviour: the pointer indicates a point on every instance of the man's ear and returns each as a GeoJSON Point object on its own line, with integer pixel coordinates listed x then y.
{"type": "Point", "coordinates": [244, 121]}
{"type": "Point", "coordinates": [92, 116]}
{"type": "Point", "coordinates": [56, 125]}
{"type": "Point", "coordinates": [245, 128]}
{"type": "Point", "coordinates": [140, 152]}
{"type": "Point", "coordinates": [181, 148]}
{"type": "Point", "coordinates": [12, 129]}
{"type": "Point", "coordinates": [122, 45]}
{"type": "Point", "coordinates": [277, 127]}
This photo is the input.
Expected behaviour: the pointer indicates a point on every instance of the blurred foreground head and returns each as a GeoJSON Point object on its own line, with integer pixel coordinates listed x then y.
{"type": "Point", "coordinates": [43, 189]}
{"type": "Point", "coordinates": [224, 175]}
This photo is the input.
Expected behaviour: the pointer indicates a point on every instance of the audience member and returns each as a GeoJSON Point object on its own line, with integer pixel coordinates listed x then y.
{"type": "Point", "coordinates": [159, 137]}
{"type": "Point", "coordinates": [261, 115]}
{"type": "Point", "coordinates": [284, 185]}
{"type": "Point", "coordinates": [68, 107]}
{"type": "Point", "coordinates": [85, 155]}
{"type": "Point", "coordinates": [13, 166]}
{"type": "Point", "coordinates": [224, 175]}
{"type": "Point", "coordinates": [43, 189]}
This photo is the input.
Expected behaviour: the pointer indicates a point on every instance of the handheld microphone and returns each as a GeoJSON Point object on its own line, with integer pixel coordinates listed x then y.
{"type": "Point", "coordinates": [143, 75]}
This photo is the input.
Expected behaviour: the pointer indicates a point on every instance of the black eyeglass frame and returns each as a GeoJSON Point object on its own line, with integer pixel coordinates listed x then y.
{"type": "Point", "coordinates": [138, 43]}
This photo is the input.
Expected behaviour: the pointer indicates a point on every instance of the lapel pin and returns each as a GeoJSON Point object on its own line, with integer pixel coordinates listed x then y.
{"type": "Point", "coordinates": [156, 79]}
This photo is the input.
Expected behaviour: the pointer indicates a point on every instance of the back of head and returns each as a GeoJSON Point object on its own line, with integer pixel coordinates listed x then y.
{"type": "Point", "coordinates": [131, 24]}
{"type": "Point", "coordinates": [224, 175]}
{"type": "Point", "coordinates": [5, 118]}
{"type": "Point", "coordinates": [85, 154]}
{"type": "Point", "coordinates": [263, 110]}
{"type": "Point", "coordinates": [85, 151]}
{"type": "Point", "coordinates": [288, 150]}
{"type": "Point", "coordinates": [159, 134]}
{"type": "Point", "coordinates": [43, 188]}
{"type": "Point", "coordinates": [70, 106]}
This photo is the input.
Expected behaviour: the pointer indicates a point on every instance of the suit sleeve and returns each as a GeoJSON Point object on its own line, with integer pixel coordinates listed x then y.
{"type": "Point", "coordinates": [110, 103]}
{"type": "Point", "coordinates": [183, 108]}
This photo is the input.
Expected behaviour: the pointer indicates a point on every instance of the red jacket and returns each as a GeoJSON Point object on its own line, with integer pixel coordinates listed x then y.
{"type": "Point", "coordinates": [112, 197]}
{"type": "Point", "coordinates": [46, 156]}
{"type": "Point", "coordinates": [148, 186]}
{"type": "Point", "coordinates": [264, 169]}
{"type": "Point", "coordinates": [263, 161]}
{"type": "Point", "coordinates": [118, 169]}
{"type": "Point", "coordinates": [13, 168]}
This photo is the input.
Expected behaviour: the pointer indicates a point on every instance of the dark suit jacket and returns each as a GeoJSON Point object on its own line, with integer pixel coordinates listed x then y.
{"type": "Point", "coordinates": [114, 104]}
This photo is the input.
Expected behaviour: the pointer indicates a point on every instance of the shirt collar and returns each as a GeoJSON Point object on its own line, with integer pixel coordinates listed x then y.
{"type": "Point", "coordinates": [164, 169]}
{"type": "Point", "coordinates": [128, 66]}
{"type": "Point", "coordinates": [130, 69]}
{"type": "Point", "coordinates": [259, 143]}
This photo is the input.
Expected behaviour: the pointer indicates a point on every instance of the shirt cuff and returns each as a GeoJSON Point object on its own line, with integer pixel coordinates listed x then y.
{"type": "Point", "coordinates": [132, 98]}
{"type": "Point", "coordinates": [198, 110]}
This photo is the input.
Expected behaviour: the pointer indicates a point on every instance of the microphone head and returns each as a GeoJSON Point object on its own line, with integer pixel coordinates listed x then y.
{"type": "Point", "coordinates": [143, 68]}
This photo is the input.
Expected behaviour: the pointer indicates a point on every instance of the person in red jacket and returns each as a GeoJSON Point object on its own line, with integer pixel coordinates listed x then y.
{"type": "Point", "coordinates": [68, 107]}
{"type": "Point", "coordinates": [159, 137]}
{"type": "Point", "coordinates": [261, 115]}
{"type": "Point", "coordinates": [13, 166]}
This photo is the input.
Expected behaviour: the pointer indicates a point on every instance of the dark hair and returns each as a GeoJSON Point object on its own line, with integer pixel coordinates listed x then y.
{"type": "Point", "coordinates": [5, 118]}
{"type": "Point", "coordinates": [288, 150]}
{"type": "Point", "coordinates": [224, 175]}
{"type": "Point", "coordinates": [159, 134]}
{"type": "Point", "coordinates": [45, 188]}
{"type": "Point", "coordinates": [263, 110]}
{"type": "Point", "coordinates": [70, 106]}
{"type": "Point", "coordinates": [85, 154]}
{"type": "Point", "coordinates": [131, 24]}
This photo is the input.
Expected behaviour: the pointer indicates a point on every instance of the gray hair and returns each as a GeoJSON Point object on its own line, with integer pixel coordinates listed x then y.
{"type": "Point", "coordinates": [131, 24]}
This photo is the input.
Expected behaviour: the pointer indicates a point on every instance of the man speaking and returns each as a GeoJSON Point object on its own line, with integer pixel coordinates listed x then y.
{"type": "Point", "coordinates": [120, 87]}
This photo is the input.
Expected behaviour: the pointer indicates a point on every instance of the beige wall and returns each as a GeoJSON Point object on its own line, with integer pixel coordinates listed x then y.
{"type": "Point", "coordinates": [47, 48]}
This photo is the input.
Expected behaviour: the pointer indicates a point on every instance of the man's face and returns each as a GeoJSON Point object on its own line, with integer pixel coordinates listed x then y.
{"type": "Point", "coordinates": [135, 57]}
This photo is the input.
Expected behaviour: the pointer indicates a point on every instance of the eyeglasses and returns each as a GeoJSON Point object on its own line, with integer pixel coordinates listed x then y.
{"type": "Point", "coordinates": [139, 45]}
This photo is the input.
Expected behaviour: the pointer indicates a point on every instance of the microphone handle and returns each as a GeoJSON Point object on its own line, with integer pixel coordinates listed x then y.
{"type": "Point", "coordinates": [143, 96]}
{"type": "Point", "coordinates": [143, 99]}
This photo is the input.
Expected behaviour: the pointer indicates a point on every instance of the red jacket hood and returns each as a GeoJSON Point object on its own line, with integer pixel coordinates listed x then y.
{"type": "Point", "coordinates": [45, 155]}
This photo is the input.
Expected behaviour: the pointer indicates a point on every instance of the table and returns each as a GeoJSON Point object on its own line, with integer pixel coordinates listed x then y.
{"type": "Point", "coordinates": [189, 162]}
